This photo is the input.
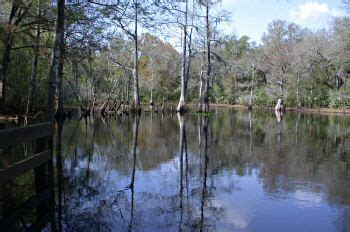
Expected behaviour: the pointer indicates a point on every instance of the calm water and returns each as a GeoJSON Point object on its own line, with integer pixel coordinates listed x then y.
{"type": "Point", "coordinates": [230, 171]}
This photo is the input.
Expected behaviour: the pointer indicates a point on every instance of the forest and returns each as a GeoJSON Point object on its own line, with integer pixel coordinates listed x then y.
{"type": "Point", "coordinates": [121, 55]}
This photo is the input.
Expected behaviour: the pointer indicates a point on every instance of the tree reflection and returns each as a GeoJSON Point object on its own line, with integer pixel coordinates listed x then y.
{"type": "Point", "coordinates": [134, 150]}
{"type": "Point", "coordinates": [88, 144]}
{"type": "Point", "coordinates": [206, 160]}
{"type": "Point", "coordinates": [183, 149]}
{"type": "Point", "coordinates": [178, 184]}
{"type": "Point", "coordinates": [279, 115]}
{"type": "Point", "coordinates": [59, 167]}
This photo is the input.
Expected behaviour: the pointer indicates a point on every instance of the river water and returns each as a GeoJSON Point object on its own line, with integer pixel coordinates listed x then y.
{"type": "Point", "coordinates": [226, 171]}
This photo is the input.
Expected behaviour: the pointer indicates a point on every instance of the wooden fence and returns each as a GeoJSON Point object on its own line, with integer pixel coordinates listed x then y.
{"type": "Point", "coordinates": [41, 163]}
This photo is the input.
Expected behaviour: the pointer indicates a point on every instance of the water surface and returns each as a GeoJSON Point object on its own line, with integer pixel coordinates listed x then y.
{"type": "Point", "coordinates": [228, 171]}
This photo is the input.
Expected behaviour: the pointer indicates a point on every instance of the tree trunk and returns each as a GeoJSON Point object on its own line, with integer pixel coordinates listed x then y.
{"type": "Point", "coordinates": [163, 105]}
{"type": "Point", "coordinates": [55, 59]}
{"type": "Point", "coordinates": [151, 103]}
{"type": "Point", "coordinates": [205, 97]}
{"type": "Point", "coordinates": [181, 107]}
{"type": "Point", "coordinates": [189, 61]}
{"type": "Point", "coordinates": [33, 75]}
{"type": "Point", "coordinates": [127, 91]}
{"type": "Point", "coordinates": [60, 109]}
{"type": "Point", "coordinates": [9, 38]}
{"type": "Point", "coordinates": [279, 106]}
{"type": "Point", "coordinates": [124, 87]}
{"type": "Point", "coordinates": [136, 103]}
{"type": "Point", "coordinates": [6, 57]}
{"type": "Point", "coordinates": [298, 86]}
{"type": "Point", "coordinates": [250, 121]}
{"type": "Point", "coordinates": [282, 85]}
{"type": "Point", "coordinates": [282, 89]}
{"type": "Point", "coordinates": [251, 92]}
{"type": "Point", "coordinates": [201, 84]}
{"type": "Point", "coordinates": [92, 79]}
{"type": "Point", "coordinates": [251, 99]}
{"type": "Point", "coordinates": [5, 71]}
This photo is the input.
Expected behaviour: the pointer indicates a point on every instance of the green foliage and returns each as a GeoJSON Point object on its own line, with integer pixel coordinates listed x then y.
{"type": "Point", "coordinates": [261, 99]}
{"type": "Point", "coordinates": [216, 94]}
{"type": "Point", "coordinates": [291, 99]}
{"type": "Point", "coordinates": [243, 99]}
{"type": "Point", "coordinates": [340, 99]}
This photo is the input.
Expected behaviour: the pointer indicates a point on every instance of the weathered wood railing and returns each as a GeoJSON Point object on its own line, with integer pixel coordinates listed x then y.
{"type": "Point", "coordinates": [41, 163]}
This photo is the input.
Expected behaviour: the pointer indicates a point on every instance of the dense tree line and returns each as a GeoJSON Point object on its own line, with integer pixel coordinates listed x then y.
{"type": "Point", "coordinates": [84, 53]}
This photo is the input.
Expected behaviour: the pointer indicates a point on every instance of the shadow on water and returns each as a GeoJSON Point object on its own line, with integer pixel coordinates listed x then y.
{"type": "Point", "coordinates": [229, 171]}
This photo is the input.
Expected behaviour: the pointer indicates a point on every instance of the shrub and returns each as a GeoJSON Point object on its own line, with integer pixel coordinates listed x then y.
{"type": "Point", "coordinates": [261, 99]}
{"type": "Point", "coordinates": [340, 99]}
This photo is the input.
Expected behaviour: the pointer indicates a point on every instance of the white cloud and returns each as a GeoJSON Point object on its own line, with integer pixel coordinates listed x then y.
{"type": "Point", "coordinates": [235, 216]}
{"type": "Point", "coordinates": [311, 11]}
{"type": "Point", "coordinates": [308, 199]}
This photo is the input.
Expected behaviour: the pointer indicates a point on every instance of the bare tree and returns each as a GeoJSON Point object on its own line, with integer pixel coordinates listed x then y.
{"type": "Point", "coordinates": [278, 45]}
{"type": "Point", "coordinates": [136, 103]}
{"type": "Point", "coordinates": [205, 95]}
{"type": "Point", "coordinates": [33, 76]}
{"type": "Point", "coordinates": [55, 59]}
{"type": "Point", "coordinates": [127, 17]}
{"type": "Point", "coordinates": [181, 107]}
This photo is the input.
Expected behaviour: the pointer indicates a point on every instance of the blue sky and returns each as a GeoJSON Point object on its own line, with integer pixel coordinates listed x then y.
{"type": "Point", "coordinates": [251, 17]}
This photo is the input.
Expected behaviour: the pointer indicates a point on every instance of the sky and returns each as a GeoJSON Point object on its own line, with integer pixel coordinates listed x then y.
{"type": "Point", "coordinates": [251, 17]}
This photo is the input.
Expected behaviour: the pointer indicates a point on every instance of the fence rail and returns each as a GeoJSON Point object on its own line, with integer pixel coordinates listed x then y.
{"type": "Point", "coordinates": [42, 203]}
{"type": "Point", "coordinates": [15, 136]}
{"type": "Point", "coordinates": [24, 166]}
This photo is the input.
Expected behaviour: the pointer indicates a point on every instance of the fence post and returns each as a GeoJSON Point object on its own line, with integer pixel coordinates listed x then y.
{"type": "Point", "coordinates": [41, 177]}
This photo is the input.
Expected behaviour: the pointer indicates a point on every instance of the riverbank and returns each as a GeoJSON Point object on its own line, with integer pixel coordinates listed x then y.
{"type": "Point", "coordinates": [302, 110]}
{"type": "Point", "coordinates": [237, 106]}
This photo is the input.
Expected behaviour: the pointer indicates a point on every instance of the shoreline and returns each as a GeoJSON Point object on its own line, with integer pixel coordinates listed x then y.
{"type": "Point", "coordinates": [291, 109]}
{"type": "Point", "coordinates": [327, 111]}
